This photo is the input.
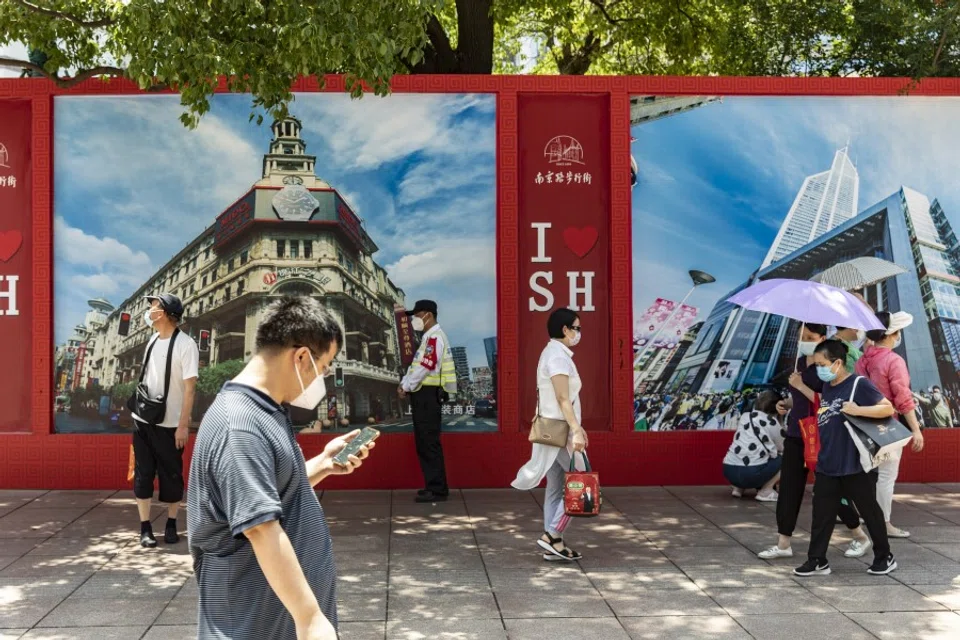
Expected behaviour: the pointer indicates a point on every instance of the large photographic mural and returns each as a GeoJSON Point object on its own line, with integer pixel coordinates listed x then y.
{"type": "Point", "coordinates": [735, 190]}
{"type": "Point", "coordinates": [368, 205]}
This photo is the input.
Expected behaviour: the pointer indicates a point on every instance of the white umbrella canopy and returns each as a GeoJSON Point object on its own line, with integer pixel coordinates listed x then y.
{"type": "Point", "coordinates": [858, 273]}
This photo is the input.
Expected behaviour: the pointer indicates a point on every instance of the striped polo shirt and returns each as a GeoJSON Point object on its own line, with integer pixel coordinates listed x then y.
{"type": "Point", "coordinates": [248, 469]}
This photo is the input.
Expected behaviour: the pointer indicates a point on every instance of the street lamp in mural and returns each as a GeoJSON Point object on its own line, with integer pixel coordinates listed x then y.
{"type": "Point", "coordinates": [698, 278]}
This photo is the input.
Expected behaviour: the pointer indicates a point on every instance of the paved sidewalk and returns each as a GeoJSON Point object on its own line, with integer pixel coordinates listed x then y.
{"type": "Point", "coordinates": [660, 563]}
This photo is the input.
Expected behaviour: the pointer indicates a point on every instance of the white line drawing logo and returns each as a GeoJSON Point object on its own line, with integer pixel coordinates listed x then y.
{"type": "Point", "coordinates": [563, 151]}
{"type": "Point", "coordinates": [4, 157]}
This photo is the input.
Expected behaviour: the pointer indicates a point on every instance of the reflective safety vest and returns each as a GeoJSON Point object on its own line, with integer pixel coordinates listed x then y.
{"type": "Point", "coordinates": [443, 376]}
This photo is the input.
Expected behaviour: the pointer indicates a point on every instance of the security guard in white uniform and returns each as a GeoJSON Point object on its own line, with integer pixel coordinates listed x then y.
{"type": "Point", "coordinates": [431, 378]}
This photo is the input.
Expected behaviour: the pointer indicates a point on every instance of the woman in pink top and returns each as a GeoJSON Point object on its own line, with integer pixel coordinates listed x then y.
{"type": "Point", "coordinates": [888, 371]}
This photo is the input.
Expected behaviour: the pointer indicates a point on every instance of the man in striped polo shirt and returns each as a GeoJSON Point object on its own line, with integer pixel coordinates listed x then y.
{"type": "Point", "coordinates": [258, 536]}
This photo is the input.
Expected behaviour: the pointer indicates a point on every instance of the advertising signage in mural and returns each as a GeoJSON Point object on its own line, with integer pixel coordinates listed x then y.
{"type": "Point", "coordinates": [405, 236]}
{"type": "Point", "coordinates": [564, 238]}
{"type": "Point", "coordinates": [15, 264]}
{"type": "Point", "coordinates": [748, 189]}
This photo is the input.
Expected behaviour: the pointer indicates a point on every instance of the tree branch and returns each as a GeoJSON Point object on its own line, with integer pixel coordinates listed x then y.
{"type": "Point", "coordinates": [936, 57]}
{"type": "Point", "coordinates": [52, 13]}
{"type": "Point", "coordinates": [599, 4]}
{"type": "Point", "coordinates": [63, 83]}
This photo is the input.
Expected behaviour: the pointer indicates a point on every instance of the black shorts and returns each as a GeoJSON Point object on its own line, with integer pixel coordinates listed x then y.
{"type": "Point", "coordinates": [156, 455]}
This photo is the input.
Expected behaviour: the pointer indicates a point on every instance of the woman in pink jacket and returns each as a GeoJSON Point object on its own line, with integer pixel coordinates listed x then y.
{"type": "Point", "coordinates": [888, 371]}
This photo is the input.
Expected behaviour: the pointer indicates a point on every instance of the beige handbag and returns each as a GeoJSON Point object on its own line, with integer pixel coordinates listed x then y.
{"type": "Point", "coordinates": [548, 431]}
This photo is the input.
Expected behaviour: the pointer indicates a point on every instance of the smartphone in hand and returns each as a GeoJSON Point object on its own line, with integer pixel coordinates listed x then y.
{"type": "Point", "coordinates": [366, 436]}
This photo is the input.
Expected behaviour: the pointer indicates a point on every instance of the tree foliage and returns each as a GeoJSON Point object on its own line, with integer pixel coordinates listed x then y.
{"type": "Point", "coordinates": [262, 46]}
{"type": "Point", "coordinates": [211, 379]}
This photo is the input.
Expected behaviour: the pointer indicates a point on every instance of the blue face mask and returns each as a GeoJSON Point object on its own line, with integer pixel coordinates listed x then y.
{"type": "Point", "coordinates": [826, 373]}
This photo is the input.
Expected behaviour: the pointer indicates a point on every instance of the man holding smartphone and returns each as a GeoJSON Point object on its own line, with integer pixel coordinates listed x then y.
{"type": "Point", "coordinates": [258, 536]}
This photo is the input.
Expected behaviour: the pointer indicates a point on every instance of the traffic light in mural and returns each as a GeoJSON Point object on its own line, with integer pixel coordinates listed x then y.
{"type": "Point", "coordinates": [338, 377]}
{"type": "Point", "coordinates": [204, 340]}
{"type": "Point", "coordinates": [124, 328]}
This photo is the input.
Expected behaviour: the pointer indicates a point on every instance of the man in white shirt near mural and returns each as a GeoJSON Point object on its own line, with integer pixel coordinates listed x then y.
{"type": "Point", "coordinates": [162, 430]}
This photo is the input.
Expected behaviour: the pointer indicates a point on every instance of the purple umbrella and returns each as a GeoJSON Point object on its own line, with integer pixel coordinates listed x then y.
{"type": "Point", "coordinates": [808, 301]}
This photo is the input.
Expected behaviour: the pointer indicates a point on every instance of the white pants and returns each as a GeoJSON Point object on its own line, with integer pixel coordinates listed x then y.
{"type": "Point", "coordinates": [887, 478]}
{"type": "Point", "coordinates": [555, 521]}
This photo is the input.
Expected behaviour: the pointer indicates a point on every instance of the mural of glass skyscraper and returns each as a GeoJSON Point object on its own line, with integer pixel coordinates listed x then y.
{"type": "Point", "coordinates": [825, 201]}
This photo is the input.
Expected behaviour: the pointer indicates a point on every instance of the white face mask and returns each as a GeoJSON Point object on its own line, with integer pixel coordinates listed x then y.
{"type": "Point", "coordinates": [575, 340]}
{"type": "Point", "coordinates": [417, 323]}
{"type": "Point", "coordinates": [313, 394]}
{"type": "Point", "coordinates": [807, 348]}
{"type": "Point", "coordinates": [899, 341]}
{"type": "Point", "coordinates": [147, 318]}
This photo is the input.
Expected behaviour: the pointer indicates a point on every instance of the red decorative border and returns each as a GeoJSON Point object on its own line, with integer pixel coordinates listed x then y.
{"type": "Point", "coordinates": [41, 460]}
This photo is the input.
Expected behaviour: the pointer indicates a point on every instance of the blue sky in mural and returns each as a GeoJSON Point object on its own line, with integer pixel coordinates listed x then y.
{"type": "Point", "coordinates": [133, 187]}
{"type": "Point", "coordinates": [716, 182]}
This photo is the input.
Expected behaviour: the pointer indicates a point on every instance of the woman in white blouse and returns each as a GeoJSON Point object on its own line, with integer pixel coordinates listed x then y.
{"type": "Point", "coordinates": [558, 388]}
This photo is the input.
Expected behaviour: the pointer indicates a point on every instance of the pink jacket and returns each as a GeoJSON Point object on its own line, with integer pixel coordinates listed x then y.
{"type": "Point", "coordinates": [888, 371]}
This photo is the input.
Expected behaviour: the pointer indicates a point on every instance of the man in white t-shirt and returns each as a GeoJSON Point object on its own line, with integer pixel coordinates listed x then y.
{"type": "Point", "coordinates": [158, 447]}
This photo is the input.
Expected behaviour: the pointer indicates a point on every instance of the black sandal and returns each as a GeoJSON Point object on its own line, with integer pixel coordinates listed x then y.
{"type": "Point", "coordinates": [549, 546]}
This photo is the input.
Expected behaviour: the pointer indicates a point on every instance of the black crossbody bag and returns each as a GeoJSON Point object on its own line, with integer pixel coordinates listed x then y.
{"type": "Point", "coordinates": [152, 410]}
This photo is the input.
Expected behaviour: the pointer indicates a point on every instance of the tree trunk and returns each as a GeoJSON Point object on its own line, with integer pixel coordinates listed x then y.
{"type": "Point", "coordinates": [577, 62]}
{"type": "Point", "coordinates": [474, 52]}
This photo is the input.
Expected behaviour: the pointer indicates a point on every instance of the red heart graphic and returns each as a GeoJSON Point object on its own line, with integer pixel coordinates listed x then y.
{"type": "Point", "coordinates": [10, 243]}
{"type": "Point", "coordinates": [581, 241]}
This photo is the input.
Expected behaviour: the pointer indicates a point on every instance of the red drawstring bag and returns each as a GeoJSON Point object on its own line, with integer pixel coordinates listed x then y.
{"type": "Point", "coordinates": [810, 431]}
{"type": "Point", "coordinates": [581, 491]}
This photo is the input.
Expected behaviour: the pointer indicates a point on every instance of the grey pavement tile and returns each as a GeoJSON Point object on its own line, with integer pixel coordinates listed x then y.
{"type": "Point", "coordinates": [15, 547]}
{"type": "Point", "coordinates": [803, 626]}
{"type": "Point", "coordinates": [114, 612]}
{"type": "Point", "coordinates": [362, 606]}
{"type": "Point", "coordinates": [11, 634]}
{"type": "Point", "coordinates": [657, 602]}
{"type": "Point", "coordinates": [925, 534]}
{"type": "Point", "coordinates": [896, 626]}
{"type": "Point", "coordinates": [362, 580]}
{"type": "Point", "coordinates": [914, 575]}
{"type": "Point", "coordinates": [106, 585]}
{"type": "Point", "coordinates": [179, 632]}
{"type": "Point", "coordinates": [597, 628]}
{"type": "Point", "coordinates": [71, 499]}
{"type": "Point", "coordinates": [75, 547]}
{"type": "Point", "coordinates": [682, 537]}
{"type": "Point", "coordinates": [628, 579]}
{"type": "Point", "coordinates": [947, 550]}
{"type": "Point", "coordinates": [424, 579]}
{"type": "Point", "coordinates": [182, 610]}
{"type": "Point", "coordinates": [358, 497]}
{"type": "Point", "coordinates": [361, 543]}
{"type": "Point", "coordinates": [6, 561]}
{"type": "Point", "coordinates": [722, 576]}
{"type": "Point", "coordinates": [456, 629]}
{"type": "Point", "coordinates": [695, 556]}
{"type": "Point", "coordinates": [362, 630]}
{"type": "Point", "coordinates": [533, 604]}
{"type": "Point", "coordinates": [719, 627]}
{"type": "Point", "coordinates": [415, 603]}
{"type": "Point", "coordinates": [947, 595]}
{"type": "Point", "coordinates": [27, 613]}
{"type": "Point", "coordinates": [370, 561]}
{"type": "Point", "coordinates": [769, 601]}
{"type": "Point", "coordinates": [463, 561]}
{"type": "Point", "coordinates": [885, 598]}
{"type": "Point", "coordinates": [563, 578]}
{"type": "Point", "coordinates": [53, 566]}
{"type": "Point", "coordinates": [87, 633]}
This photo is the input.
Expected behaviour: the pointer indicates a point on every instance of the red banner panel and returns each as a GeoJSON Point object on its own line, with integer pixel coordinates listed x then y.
{"type": "Point", "coordinates": [15, 265]}
{"type": "Point", "coordinates": [564, 225]}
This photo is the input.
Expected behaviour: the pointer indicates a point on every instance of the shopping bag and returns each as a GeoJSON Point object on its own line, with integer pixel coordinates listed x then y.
{"type": "Point", "coordinates": [810, 431]}
{"type": "Point", "coordinates": [131, 465]}
{"type": "Point", "coordinates": [877, 440]}
{"type": "Point", "coordinates": [581, 491]}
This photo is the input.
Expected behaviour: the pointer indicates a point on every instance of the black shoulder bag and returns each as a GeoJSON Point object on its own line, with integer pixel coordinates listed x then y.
{"type": "Point", "coordinates": [152, 410]}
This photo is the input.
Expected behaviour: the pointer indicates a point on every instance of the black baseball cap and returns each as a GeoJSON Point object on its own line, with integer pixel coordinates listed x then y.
{"type": "Point", "coordinates": [424, 305]}
{"type": "Point", "coordinates": [169, 303]}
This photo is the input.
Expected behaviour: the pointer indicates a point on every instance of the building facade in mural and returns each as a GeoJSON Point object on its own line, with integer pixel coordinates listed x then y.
{"type": "Point", "coordinates": [906, 228]}
{"type": "Point", "coordinates": [291, 233]}
{"type": "Point", "coordinates": [825, 201]}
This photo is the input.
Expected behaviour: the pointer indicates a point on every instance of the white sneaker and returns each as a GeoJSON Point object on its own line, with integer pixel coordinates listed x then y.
{"type": "Point", "coordinates": [858, 548]}
{"type": "Point", "coordinates": [775, 552]}
{"type": "Point", "coordinates": [737, 493]}
{"type": "Point", "coordinates": [769, 496]}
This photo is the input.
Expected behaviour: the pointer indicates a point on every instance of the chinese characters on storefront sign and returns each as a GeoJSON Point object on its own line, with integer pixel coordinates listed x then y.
{"type": "Point", "coordinates": [559, 177]}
